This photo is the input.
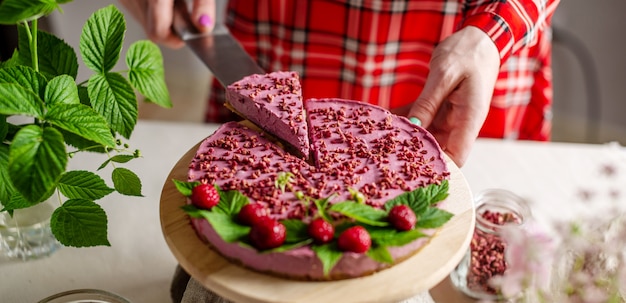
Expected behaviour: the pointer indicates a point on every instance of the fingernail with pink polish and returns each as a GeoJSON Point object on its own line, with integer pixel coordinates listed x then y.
{"type": "Point", "coordinates": [205, 20]}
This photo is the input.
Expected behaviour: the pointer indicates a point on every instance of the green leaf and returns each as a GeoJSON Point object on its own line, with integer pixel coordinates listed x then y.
{"type": "Point", "coordinates": [4, 127]}
{"type": "Point", "coordinates": [433, 218]}
{"type": "Point", "coordinates": [126, 182]}
{"type": "Point", "coordinates": [80, 184]}
{"type": "Point", "coordinates": [328, 254]}
{"type": "Point", "coordinates": [6, 190]}
{"type": "Point", "coordinates": [17, 100]}
{"type": "Point", "coordinates": [231, 202]}
{"type": "Point", "coordinates": [80, 223]}
{"type": "Point", "coordinates": [37, 159]}
{"type": "Point", "coordinates": [55, 57]}
{"type": "Point", "coordinates": [225, 226]}
{"type": "Point", "coordinates": [296, 231]}
{"type": "Point", "coordinates": [17, 201]}
{"type": "Point", "coordinates": [146, 72]}
{"type": "Point", "coordinates": [420, 198]}
{"type": "Point", "coordinates": [25, 77]}
{"type": "Point", "coordinates": [15, 11]}
{"type": "Point", "coordinates": [62, 90]}
{"type": "Point", "coordinates": [321, 205]}
{"type": "Point", "coordinates": [113, 97]}
{"type": "Point", "coordinates": [361, 212]}
{"type": "Point", "coordinates": [11, 62]}
{"type": "Point", "coordinates": [117, 159]}
{"type": "Point", "coordinates": [81, 143]}
{"type": "Point", "coordinates": [380, 254]}
{"type": "Point", "coordinates": [81, 120]}
{"type": "Point", "coordinates": [185, 188]}
{"type": "Point", "coordinates": [101, 39]}
{"type": "Point", "coordinates": [392, 237]}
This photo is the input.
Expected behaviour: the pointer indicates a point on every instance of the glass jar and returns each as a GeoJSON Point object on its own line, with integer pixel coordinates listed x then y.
{"type": "Point", "coordinates": [496, 209]}
{"type": "Point", "coordinates": [26, 234]}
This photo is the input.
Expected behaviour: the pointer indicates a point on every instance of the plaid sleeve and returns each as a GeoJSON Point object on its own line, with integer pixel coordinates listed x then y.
{"type": "Point", "coordinates": [511, 24]}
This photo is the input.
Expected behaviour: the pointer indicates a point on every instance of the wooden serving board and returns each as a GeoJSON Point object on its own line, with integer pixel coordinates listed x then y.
{"type": "Point", "coordinates": [412, 276]}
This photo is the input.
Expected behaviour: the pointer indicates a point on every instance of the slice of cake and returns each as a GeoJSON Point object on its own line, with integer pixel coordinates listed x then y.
{"type": "Point", "coordinates": [305, 218]}
{"type": "Point", "coordinates": [274, 103]}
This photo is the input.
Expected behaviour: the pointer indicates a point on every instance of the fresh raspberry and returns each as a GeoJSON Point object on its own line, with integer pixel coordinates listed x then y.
{"type": "Point", "coordinates": [355, 239]}
{"type": "Point", "coordinates": [251, 214]}
{"type": "Point", "coordinates": [204, 196]}
{"type": "Point", "coordinates": [402, 217]}
{"type": "Point", "coordinates": [267, 234]}
{"type": "Point", "coordinates": [321, 231]}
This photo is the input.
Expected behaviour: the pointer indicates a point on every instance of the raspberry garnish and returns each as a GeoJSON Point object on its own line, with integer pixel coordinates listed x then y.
{"type": "Point", "coordinates": [355, 239]}
{"type": "Point", "coordinates": [402, 217]}
{"type": "Point", "coordinates": [251, 214]}
{"type": "Point", "coordinates": [321, 231]}
{"type": "Point", "coordinates": [204, 196]}
{"type": "Point", "coordinates": [268, 233]}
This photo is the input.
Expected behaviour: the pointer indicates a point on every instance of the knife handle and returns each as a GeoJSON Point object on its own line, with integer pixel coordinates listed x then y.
{"type": "Point", "coordinates": [185, 28]}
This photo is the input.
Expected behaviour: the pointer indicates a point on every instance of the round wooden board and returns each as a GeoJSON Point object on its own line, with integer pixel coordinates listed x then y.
{"type": "Point", "coordinates": [414, 275]}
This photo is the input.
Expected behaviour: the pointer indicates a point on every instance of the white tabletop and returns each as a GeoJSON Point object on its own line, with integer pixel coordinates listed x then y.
{"type": "Point", "coordinates": [139, 265]}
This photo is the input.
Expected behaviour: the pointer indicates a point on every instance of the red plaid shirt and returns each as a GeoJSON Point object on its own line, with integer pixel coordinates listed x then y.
{"type": "Point", "coordinates": [378, 51]}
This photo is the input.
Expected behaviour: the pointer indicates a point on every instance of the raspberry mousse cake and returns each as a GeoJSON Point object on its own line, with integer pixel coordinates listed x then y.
{"type": "Point", "coordinates": [274, 102]}
{"type": "Point", "coordinates": [369, 198]}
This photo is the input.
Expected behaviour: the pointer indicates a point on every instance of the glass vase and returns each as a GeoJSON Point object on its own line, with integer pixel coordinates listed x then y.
{"type": "Point", "coordinates": [26, 235]}
{"type": "Point", "coordinates": [496, 209]}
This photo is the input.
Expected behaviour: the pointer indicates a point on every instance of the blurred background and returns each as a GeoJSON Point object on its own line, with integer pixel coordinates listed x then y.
{"type": "Point", "coordinates": [589, 67]}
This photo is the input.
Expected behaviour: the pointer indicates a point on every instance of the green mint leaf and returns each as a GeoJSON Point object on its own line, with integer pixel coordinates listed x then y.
{"type": "Point", "coordinates": [185, 188]}
{"type": "Point", "coordinates": [80, 223]}
{"type": "Point", "coordinates": [15, 11]}
{"type": "Point", "coordinates": [380, 254]}
{"type": "Point", "coordinates": [296, 231]}
{"type": "Point", "coordinates": [231, 202]}
{"type": "Point", "coordinates": [361, 213]}
{"type": "Point", "coordinates": [146, 72]}
{"type": "Point", "coordinates": [80, 184]}
{"type": "Point", "coordinates": [437, 192]}
{"type": "Point", "coordinates": [17, 100]}
{"type": "Point", "coordinates": [37, 158]}
{"type": "Point", "coordinates": [392, 237]}
{"type": "Point", "coordinates": [126, 182]}
{"type": "Point", "coordinates": [25, 77]}
{"type": "Point", "coordinates": [101, 39]}
{"type": "Point", "coordinates": [329, 254]}
{"type": "Point", "coordinates": [283, 179]}
{"type": "Point", "coordinates": [61, 90]}
{"type": "Point", "coordinates": [420, 198]}
{"type": "Point", "coordinates": [433, 218]}
{"type": "Point", "coordinates": [321, 205]}
{"type": "Point", "coordinates": [117, 159]}
{"type": "Point", "coordinates": [288, 246]}
{"type": "Point", "coordinates": [113, 97]}
{"type": "Point", "coordinates": [55, 56]}
{"type": "Point", "coordinates": [224, 225]}
{"type": "Point", "coordinates": [81, 120]}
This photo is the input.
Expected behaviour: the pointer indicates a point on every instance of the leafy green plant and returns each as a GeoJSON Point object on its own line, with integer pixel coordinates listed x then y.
{"type": "Point", "coordinates": [59, 117]}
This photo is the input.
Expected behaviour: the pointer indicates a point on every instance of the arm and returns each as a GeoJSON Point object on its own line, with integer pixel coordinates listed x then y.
{"type": "Point", "coordinates": [464, 68]}
{"type": "Point", "coordinates": [155, 16]}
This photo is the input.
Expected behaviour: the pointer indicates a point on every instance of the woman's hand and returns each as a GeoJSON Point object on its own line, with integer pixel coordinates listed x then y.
{"type": "Point", "coordinates": [455, 100]}
{"type": "Point", "coordinates": [156, 18]}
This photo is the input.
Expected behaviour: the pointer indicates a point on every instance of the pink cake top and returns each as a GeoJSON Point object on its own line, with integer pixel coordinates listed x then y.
{"type": "Point", "coordinates": [273, 102]}
{"type": "Point", "coordinates": [357, 146]}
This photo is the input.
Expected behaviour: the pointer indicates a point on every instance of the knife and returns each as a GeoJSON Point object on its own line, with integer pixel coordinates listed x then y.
{"type": "Point", "coordinates": [218, 50]}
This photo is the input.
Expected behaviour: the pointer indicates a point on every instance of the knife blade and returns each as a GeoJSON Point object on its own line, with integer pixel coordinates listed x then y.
{"type": "Point", "coordinates": [218, 50]}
